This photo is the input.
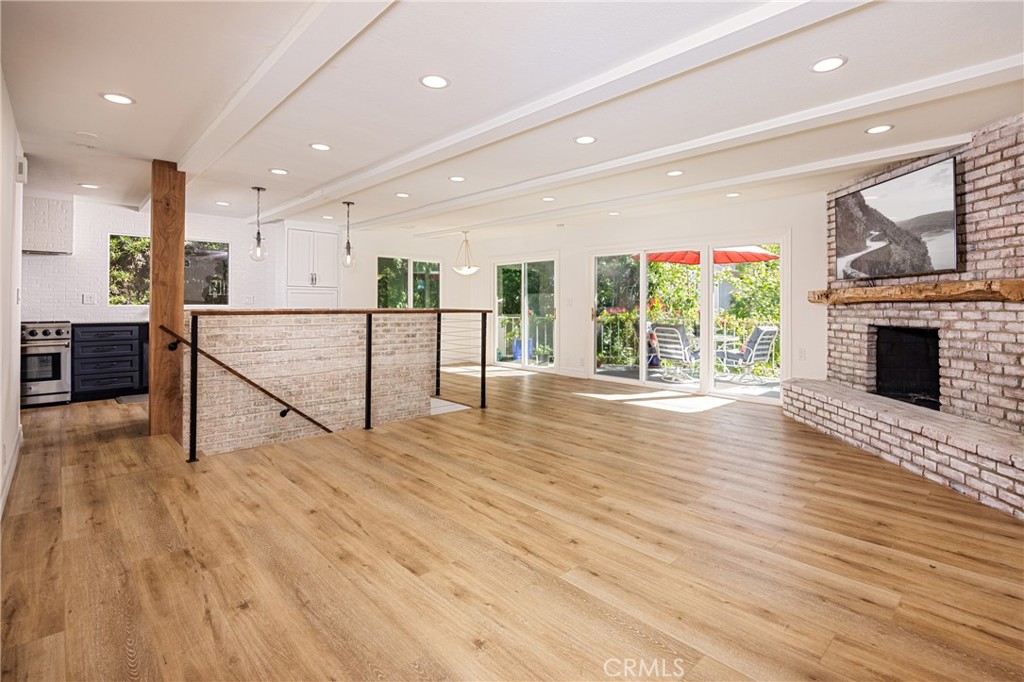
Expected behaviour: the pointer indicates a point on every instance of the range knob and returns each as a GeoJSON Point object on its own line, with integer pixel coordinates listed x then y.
{"type": "Point", "coordinates": [46, 332]}
{"type": "Point", "coordinates": [33, 332]}
{"type": "Point", "coordinates": [59, 332]}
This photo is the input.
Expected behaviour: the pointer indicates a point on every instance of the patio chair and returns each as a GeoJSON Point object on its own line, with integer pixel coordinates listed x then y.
{"type": "Point", "coordinates": [674, 346]}
{"type": "Point", "coordinates": [757, 348]}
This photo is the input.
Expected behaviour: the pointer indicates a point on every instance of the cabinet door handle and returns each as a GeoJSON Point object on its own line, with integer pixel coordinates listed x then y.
{"type": "Point", "coordinates": [104, 349]}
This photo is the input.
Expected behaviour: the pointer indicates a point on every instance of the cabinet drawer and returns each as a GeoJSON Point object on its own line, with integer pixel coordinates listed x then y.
{"type": "Point", "coordinates": [126, 332]}
{"type": "Point", "coordinates": [93, 349]}
{"type": "Point", "coordinates": [107, 366]}
{"type": "Point", "coordinates": [86, 383]}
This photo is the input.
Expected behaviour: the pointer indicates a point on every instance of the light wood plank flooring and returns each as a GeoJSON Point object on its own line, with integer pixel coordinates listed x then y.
{"type": "Point", "coordinates": [573, 531]}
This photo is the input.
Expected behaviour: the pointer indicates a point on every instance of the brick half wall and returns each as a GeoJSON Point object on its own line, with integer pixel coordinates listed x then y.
{"type": "Point", "coordinates": [315, 362]}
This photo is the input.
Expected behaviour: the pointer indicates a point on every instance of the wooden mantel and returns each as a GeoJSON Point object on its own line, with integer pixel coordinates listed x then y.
{"type": "Point", "coordinates": [962, 290]}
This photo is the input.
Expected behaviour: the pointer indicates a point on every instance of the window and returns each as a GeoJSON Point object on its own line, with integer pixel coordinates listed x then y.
{"type": "Point", "coordinates": [401, 282]}
{"type": "Point", "coordinates": [206, 271]}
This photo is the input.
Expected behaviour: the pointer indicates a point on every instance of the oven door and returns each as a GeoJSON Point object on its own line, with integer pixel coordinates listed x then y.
{"type": "Point", "coordinates": [46, 371]}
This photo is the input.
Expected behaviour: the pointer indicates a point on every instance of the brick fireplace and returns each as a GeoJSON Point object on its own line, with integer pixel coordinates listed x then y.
{"type": "Point", "coordinates": [980, 342]}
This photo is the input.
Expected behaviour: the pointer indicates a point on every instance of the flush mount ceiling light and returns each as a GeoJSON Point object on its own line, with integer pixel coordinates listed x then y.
{"type": "Point", "coordinates": [434, 82]}
{"type": "Point", "coordinates": [828, 64]}
{"type": "Point", "coordinates": [876, 130]}
{"type": "Point", "coordinates": [223, 203]}
{"type": "Point", "coordinates": [547, 198]}
{"type": "Point", "coordinates": [278, 171]}
{"type": "Point", "coordinates": [674, 173]}
{"type": "Point", "coordinates": [118, 98]}
{"type": "Point", "coordinates": [402, 195]}
{"type": "Point", "coordinates": [586, 139]}
{"type": "Point", "coordinates": [457, 178]}
{"type": "Point", "coordinates": [732, 195]}
{"type": "Point", "coordinates": [258, 250]}
{"type": "Point", "coordinates": [464, 258]}
{"type": "Point", "coordinates": [347, 259]}
{"type": "Point", "coordinates": [320, 147]}
{"type": "Point", "coordinates": [86, 185]}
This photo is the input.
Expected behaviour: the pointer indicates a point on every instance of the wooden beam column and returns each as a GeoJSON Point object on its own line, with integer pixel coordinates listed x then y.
{"type": "Point", "coordinates": [166, 298]}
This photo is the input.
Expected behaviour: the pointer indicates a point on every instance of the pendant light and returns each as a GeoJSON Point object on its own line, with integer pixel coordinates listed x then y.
{"type": "Point", "coordinates": [464, 258]}
{"type": "Point", "coordinates": [258, 250]}
{"type": "Point", "coordinates": [347, 260]}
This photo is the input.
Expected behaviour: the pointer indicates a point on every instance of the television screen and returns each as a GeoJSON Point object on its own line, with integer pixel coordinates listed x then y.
{"type": "Point", "coordinates": [904, 226]}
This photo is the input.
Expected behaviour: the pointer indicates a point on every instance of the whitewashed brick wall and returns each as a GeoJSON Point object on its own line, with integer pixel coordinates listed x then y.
{"type": "Point", "coordinates": [316, 363]}
{"type": "Point", "coordinates": [53, 285]}
{"type": "Point", "coordinates": [981, 345]}
{"type": "Point", "coordinates": [47, 224]}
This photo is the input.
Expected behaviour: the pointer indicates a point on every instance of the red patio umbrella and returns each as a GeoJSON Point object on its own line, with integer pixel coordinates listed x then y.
{"type": "Point", "coordinates": [740, 254]}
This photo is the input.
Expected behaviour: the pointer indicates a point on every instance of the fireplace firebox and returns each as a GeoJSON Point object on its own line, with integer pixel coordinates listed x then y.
{"type": "Point", "coordinates": [907, 365]}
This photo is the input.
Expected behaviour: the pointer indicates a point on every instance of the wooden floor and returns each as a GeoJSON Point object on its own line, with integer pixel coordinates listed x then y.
{"type": "Point", "coordinates": [572, 531]}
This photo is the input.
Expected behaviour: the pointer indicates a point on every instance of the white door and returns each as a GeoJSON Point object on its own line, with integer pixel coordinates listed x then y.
{"type": "Point", "coordinates": [300, 258]}
{"type": "Point", "coordinates": [325, 259]}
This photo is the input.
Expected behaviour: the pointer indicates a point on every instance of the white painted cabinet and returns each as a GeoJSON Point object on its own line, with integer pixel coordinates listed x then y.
{"type": "Point", "coordinates": [312, 297]}
{"type": "Point", "coordinates": [312, 269]}
{"type": "Point", "coordinates": [312, 258]}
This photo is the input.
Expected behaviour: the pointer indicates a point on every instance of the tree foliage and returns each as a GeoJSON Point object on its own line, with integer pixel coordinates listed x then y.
{"type": "Point", "coordinates": [129, 270]}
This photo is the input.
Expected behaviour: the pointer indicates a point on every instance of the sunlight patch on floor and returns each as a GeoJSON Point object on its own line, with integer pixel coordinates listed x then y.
{"type": "Point", "coordinates": [474, 371]}
{"type": "Point", "coordinates": [438, 406]}
{"type": "Point", "coordinates": [687, 404]}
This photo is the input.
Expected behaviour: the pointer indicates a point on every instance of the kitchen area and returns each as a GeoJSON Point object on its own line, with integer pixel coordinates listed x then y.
{"type": "Point", "coordinates": [85, 278]}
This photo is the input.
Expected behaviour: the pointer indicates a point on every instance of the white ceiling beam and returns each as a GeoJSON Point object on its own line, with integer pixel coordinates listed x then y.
{"type": "Point", "coordinates": [852, 161]}
{"type": "Point", "coordinates": [969, 79]}
{"type": "Point", "coordinates": [765, 23]}
{"type": "Point", "coordinates": [324, 29]}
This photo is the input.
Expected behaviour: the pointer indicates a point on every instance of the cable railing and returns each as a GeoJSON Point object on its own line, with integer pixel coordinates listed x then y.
{"type": "Point", "coordinates": [335, 369]}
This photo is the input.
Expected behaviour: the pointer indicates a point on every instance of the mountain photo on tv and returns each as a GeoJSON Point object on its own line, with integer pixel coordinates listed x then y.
{"type": "Point", "coordinates": [904, 226]}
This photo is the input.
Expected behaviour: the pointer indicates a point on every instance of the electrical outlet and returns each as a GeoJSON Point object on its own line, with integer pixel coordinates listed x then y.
{"type": "Point", "coordinates": [88, 299]}
{"type": "Point", "coordinates": [801, 354]}
{"type": "Point", "coordinates": [250, 300]}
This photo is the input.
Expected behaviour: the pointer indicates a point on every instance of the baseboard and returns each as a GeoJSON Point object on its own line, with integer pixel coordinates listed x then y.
{"type": "Point", "coordinates": [9, 473]}
{"type": "Point", "coordinates": [574, 373]}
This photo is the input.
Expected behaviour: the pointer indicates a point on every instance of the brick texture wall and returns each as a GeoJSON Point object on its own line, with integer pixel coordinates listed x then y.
{"type": "Point", "coordinates": [981, 344]}
{"type": "Point", "coordinates": [316, 363]}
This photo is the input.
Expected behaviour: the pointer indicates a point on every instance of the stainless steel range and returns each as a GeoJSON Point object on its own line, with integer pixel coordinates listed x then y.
{"type": "Point", "coordinates": [45, 363]}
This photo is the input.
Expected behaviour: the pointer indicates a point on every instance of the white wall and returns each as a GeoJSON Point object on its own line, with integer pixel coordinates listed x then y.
{"type": "Point", "coordinates": [10, 314]}
{"type": "Point", "coordinates": [799, 222]}
{"type": "Point", "coordinates": [54, 285]}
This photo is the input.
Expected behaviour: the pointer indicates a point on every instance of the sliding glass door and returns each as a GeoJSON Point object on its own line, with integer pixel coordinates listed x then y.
{"type": "Point", "coordinates": [747, 303]}
{"type": "Point", "coordinates": [616, 315]}
{"type": "Point", "coordinates": [526, 314]}
{"type": "Point", "coordinates": [673, 317]}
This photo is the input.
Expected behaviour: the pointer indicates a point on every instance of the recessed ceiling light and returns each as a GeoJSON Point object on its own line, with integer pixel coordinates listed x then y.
{"type": "Point", "coordinates": [434, 82]}
{"type": "Point", "coordinates": [547, 198]}
{"type": "Point", "coordinates": [884, 128]}
{"type": "Point", "coordinates": [732, 195]}
{"type": "Point", "coordinates": [86, 185]}
{"type": "Point", "coordinates": [614, 213]}
{"type": "Point", "coordinates": [586, 139]}
{"type": "Point", "coordinates": [456, 178]}
{"type": "Point", "coordinates": [674, 174]}
{"type": "Point", "coordinates": [279, 171]}
{"type": "Point", "coordinates": [320, 147]}
{"type": "Point", "coordinates": [327, 217]}
{"type": "Point", "coordinates": [118, 98]}
{"type": "Point", "coordinates": [402, 195]}
{"type": "Point", "coordinates": [828, 64]}
{"type": "Point", "coordinates": [223, 203]}
{"type": "Point", "coordinates": [86, 133]}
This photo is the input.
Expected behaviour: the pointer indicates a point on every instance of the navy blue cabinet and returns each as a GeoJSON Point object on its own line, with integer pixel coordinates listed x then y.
{"type": "Point", "coordinates": [109, 360]}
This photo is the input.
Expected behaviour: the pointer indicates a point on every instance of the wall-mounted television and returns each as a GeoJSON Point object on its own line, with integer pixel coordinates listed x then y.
{"type": "Point", "coordinates": [900, 227]}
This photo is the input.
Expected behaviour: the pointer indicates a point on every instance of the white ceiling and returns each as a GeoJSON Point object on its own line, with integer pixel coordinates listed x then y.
{"type": "Point", "coordinates": [720, 90]}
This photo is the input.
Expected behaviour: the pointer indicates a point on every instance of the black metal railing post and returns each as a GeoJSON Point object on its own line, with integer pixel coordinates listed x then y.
{"type": "Point", "coordinates": [483, 360]}
{"type": "Point", "coordinates": [193, 396]}
{"type": "Point", "coordinates": [369, 369]}
{"type": "Point", "coordinates": [437, 360]}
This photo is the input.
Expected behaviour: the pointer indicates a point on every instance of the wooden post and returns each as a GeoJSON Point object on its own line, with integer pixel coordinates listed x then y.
{"type": "Point", "coordinates": [166, 297]}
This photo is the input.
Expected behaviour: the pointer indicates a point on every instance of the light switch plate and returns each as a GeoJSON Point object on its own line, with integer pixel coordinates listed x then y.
{"type": "Point", "coordinates": [88, 299]}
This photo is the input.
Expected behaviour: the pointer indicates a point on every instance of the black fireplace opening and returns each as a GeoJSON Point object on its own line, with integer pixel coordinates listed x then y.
{"type": "Point", "coordinates": [907, 365]}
